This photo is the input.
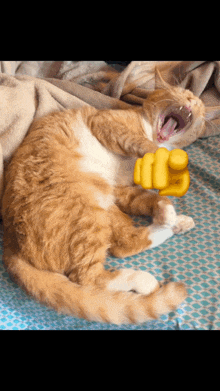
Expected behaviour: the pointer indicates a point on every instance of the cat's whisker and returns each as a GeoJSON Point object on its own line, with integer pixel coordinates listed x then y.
{"type": "Point", "coordinates": [163, 100]}
{"type": "Point", "coordinates": [212, 124]}
{"type": "Point", "coordinates": [175, 79]}
{"type": "Point", "coordinates": [151, 103]}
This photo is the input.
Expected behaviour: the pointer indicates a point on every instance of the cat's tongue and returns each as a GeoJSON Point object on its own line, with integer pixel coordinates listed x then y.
{"type": "Point", "coordinates": [168, 129]}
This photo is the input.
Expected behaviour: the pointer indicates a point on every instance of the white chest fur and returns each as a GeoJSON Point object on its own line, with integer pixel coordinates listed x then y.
{"type": "Point", "coordinates": [147, 129]}
{"type": "Point", "coordinates": [115, 169]}
{"type": "Point", "coordinates": [97, 159]}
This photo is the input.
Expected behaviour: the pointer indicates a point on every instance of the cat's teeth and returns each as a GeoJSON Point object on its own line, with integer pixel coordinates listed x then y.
{"type": "Point", "coordinates": [181, 107]}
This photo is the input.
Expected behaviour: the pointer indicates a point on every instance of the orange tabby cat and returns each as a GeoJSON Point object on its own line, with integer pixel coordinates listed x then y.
{"type": "Point", "coordinates": [68, 190]}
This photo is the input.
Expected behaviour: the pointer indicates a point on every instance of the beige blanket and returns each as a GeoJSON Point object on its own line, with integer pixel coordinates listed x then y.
{"type": "Point", "coordinates": [31, 89]}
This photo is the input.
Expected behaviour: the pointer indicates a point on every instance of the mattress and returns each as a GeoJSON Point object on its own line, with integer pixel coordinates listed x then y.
{"type": "Point", "coordinates": [193, 258]}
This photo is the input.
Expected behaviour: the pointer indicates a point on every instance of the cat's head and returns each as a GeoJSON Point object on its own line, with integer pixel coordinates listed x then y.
{"type": "Point", "coordinates": [176, 115]}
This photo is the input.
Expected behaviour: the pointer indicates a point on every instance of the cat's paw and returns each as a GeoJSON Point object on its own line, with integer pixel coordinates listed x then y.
{"type": "Point", "coordinates": [165, 214]}
{"type": "Point", "coordinates": [138, 281]}
{"type": "Point", "coordinates": [183, 224]}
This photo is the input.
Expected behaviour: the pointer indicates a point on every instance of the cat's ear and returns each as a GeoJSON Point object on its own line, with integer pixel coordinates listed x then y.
{"type": "Point", "coordinates": [160, 83]}
{"type": "Point", "coordinates": [212, 122]}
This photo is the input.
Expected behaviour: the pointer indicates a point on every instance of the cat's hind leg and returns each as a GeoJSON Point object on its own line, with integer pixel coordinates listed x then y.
{"type": "Point", "coordinates": [88, 256]}
{"type": "Point", "coordinates": [128, 240]}
{"type": "Point", "coordinates": [118, 296]}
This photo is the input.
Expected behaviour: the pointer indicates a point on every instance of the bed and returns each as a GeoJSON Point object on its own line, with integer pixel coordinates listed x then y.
{"type": "Point", "coordinates": [193, 258]}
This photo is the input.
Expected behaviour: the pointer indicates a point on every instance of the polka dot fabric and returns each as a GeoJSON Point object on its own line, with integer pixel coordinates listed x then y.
{"type": "Point", "coordinates": [193, 258]}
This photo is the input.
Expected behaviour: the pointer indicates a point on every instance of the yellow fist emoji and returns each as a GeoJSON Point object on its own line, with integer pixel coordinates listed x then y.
{"type": "Point", "coordinates": [163, 170]}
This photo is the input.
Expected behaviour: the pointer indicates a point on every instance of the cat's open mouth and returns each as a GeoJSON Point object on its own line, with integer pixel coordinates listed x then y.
{"type": "Point", "coordinates": [172, 122]}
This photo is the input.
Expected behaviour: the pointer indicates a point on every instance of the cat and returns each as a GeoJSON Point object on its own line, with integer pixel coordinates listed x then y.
{"type": "Point", "coordinates": [68, 194]}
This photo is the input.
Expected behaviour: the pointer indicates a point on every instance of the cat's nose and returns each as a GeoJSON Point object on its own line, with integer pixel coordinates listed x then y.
{"type": "Point", "coordinates": [193, 102]}
{"type": "Point", "coordinates": [190, 104]}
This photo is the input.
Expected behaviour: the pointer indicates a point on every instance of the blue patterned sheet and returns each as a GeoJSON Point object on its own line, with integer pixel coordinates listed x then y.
{"type": "Point", "coordinates": [193, 258]}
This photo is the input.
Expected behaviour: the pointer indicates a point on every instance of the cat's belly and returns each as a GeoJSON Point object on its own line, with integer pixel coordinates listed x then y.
{"type": "Point", "coordinates": [113, 168]}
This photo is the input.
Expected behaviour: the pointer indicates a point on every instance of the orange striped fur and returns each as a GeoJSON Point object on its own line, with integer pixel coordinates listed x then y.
{"type": "Point", "coordinates": [68, 192]}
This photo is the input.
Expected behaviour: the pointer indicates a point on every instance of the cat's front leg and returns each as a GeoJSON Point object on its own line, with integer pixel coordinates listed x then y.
{"type": "Point", "coordinates": [135, 200]}
{"type": "Point", "coordinates": [166, 215]}
{"type": "Point", "coordinates": [183, 224]}
{"type": "Point", "coordinates": [121, 132]}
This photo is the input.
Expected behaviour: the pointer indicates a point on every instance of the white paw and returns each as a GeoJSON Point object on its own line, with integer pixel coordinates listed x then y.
{"type": "Point", "coordinates": [165, 215]}
{"type": "Point", "coordinates": [184, 224]}
{"type": "Point", "coordinates": [137, 280]}
{"type": "Point", "coordinates": [158, 234]}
